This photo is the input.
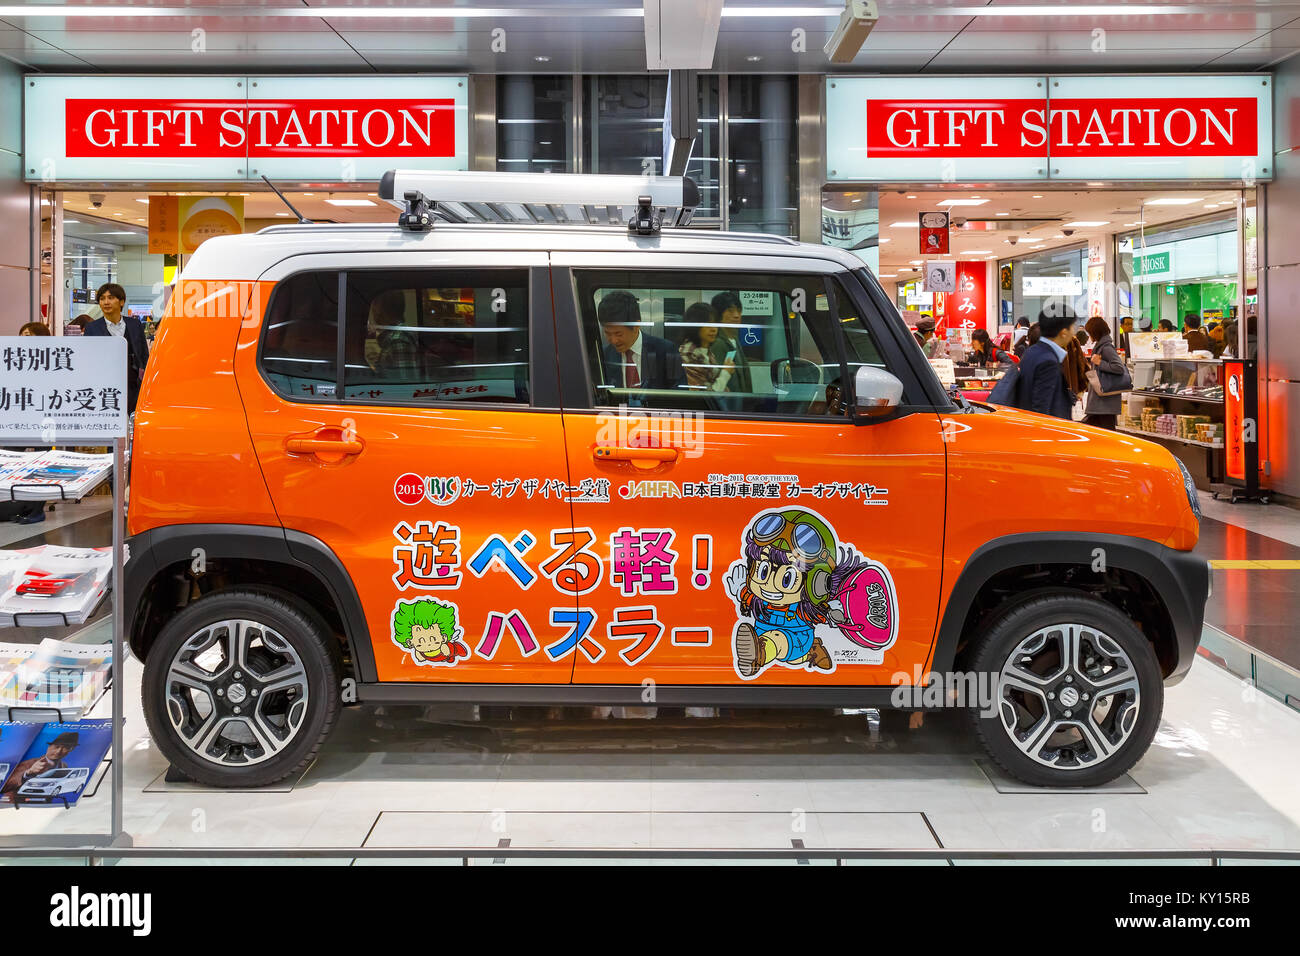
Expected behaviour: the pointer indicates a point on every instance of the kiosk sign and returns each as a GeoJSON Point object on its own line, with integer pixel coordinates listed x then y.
{"type": "Point", "coordinates": [62, 390]}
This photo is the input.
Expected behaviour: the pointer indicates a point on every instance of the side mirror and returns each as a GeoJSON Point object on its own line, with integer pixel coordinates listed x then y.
{"type": "Point", "coordinates": [876, 393]}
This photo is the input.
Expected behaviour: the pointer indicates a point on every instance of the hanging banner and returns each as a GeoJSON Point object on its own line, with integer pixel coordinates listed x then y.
{"type": "Point", "coordinates": [934, 233]}
{"type": "Point", "coordinates": [965, 307]}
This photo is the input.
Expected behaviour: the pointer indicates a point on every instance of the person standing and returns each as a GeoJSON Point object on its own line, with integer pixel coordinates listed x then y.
{"type": "Point", "coordinates": [1125, 327]}
{"type": "Point", "coordinates": [1042, 378]}
{"type": "Point", "coordinates": [1197, 341]}
{"type": "Point", "coordinates": [730, 313]}
{"type": "Point", "coordinates": [112, 300]}
{"type": "Point", "coordinates": [1103, 410]}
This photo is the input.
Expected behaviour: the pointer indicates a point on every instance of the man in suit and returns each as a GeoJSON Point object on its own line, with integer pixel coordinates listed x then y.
{"type": "Point", "coordinates": [1043, 384]}
{"type": "Point", "coordinates": [635, 359]}
{"type": "Point", "coordinates": [112, 300]}
{"type": "Point", "coordinates": [1197, 341]}
{"type": "Point", "coordinates": [730, 313]}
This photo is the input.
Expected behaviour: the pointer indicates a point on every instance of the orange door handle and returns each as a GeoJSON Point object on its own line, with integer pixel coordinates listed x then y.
{"type": "Point", "coordinates": [315, 446]}
{"type": "Point", "coordinates": [639, 457]}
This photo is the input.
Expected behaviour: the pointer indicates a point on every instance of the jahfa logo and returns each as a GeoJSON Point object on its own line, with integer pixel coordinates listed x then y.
{"type": "Point", "coordinates": [650, 489]}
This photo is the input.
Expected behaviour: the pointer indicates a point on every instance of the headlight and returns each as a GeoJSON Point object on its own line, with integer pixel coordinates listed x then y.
{"type": "Point", "coordinates": [1190, 487]}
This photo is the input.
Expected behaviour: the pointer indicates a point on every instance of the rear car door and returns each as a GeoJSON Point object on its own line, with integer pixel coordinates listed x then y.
{"type": "Point", "coordinates": [404, 411]}
{"type": "Point", "coordinates": [753, 533]}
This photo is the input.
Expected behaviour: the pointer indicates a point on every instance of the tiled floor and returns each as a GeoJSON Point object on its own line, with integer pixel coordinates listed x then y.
{"type": "Point", "coordinates": [405, 777]}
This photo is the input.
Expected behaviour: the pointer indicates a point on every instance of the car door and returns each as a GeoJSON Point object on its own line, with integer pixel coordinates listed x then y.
{"type": "Point", "coordinates": [414, 429]}
{"type": "Point", "coordinates": [754, 533]}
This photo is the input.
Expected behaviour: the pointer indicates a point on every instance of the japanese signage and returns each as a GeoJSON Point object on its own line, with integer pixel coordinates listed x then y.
{"type": "Point", "coordinates": [183, 223]}
{"type": "Point", "coordinates": [1153, 266]}
{"type": "Point", "coordinates": [941, 276]}
{"type": "Point", "coordinates": [1069, 128]}
{"type": "Point", "coordinates": [965, 308]}
{"type": "Point", "coordinates": [1234, 419]}
{"type": "Point", "coordinates": [934, 234]}
{"type": "Point", "coordinates": [1051, 285]}
{"type": "Point", "coordinates": [56, 390]}
{"type": "Point", "coordinates": [333, 129]}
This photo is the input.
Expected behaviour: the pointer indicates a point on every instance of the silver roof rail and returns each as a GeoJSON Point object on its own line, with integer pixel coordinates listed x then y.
{"type": "Point", "coordinates": [641, 203]}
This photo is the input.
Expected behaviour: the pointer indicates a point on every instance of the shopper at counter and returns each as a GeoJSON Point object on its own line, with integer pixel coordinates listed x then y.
{"type": "Point", "coordinates": [1166, 326]}
{"type": "Point", "coordinates": [984, 353]}
{"type": "Point", "coordinates": [929, 341]}
{"type": "Point", "coordinates": [112, 300]}
{"type": "Point", "coordinates": [1041, 372]}
{"type": "Point", "coordinates": [1197, 341]}
{"type": "Point", "coordinates": [1103, 410]}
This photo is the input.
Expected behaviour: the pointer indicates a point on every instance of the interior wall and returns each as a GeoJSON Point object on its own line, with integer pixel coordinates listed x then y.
{"type": "Point", "coordinates": [15, 206]}
{"type": "Point", "coordinates": [1279, 346]}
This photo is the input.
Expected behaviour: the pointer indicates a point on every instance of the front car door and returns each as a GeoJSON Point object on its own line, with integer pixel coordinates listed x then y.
{"type": "Point", "coordinates": [754, 534]}
{"type": "Point", "coordinates": [404, 411]}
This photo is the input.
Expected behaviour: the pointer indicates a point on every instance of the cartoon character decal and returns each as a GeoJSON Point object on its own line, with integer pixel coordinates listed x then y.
{"type": "Point", "coordinates": [795, 578]}
{"type": "Point", "coordinates": [430, 631]}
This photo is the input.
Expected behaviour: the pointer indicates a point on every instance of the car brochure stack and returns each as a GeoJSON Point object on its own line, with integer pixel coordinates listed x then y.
{"type": "Point", "coordinates": [53, 675]}
{"type": "Point", "coordinates": [51, 475]}
{"type": "Point", "coordinates": [51, 584]}
{"type": "Point", "coordinates": [50, 763]}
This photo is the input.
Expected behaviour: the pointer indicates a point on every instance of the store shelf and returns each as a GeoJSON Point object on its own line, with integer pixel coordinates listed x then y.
{"type": "Point", "coordinates": [1181, 398]}
{"type": "Point", "coordinates": [1182, 441]}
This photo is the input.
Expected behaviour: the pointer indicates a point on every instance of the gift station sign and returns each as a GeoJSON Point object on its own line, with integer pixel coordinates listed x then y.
{"type": "Point", "coordinates": [333, 129]}
{"type": "Point", "coordinates": [1037, 128]}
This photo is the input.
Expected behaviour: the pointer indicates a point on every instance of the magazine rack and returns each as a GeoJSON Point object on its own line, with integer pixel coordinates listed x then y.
{"type": "Point", "coordinates": [115, 836]}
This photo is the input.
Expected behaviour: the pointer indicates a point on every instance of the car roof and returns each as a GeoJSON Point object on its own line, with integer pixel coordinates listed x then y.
{"type": "Point", "coordinates": [248, 256]}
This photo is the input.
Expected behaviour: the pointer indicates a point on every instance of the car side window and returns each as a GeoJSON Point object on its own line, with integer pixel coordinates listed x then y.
{"type": "Point", "coordinates": [433, 335]}
{"type": "Point", "coordinates": [300, 338]}
{"type": "Point", "coordinates": [411, 336]}
{"type": "Point", "coordinates": [860, 345]}
{"type": "Point", "coordinates": [710, 341]}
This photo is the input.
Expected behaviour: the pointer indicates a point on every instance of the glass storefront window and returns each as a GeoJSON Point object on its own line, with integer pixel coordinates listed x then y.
{"type": "Point", "coordinates": [1188, 269]}
{"type": "Point", "coordinates": [534, 119]}
{"type": "Point", "coordinates": [623, 132]}
{"type": "Point", "coordinates": [762, 175]}
{"type": "Point", "coordinates": [1046, 281]}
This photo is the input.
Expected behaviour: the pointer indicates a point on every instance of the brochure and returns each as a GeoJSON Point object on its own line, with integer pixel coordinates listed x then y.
{"type": "Point", "coordinates": [58, 585]}
{"type": "Point", "coordinates": [57, 675]}
{"type": "Point", "coordinates": [58, 763]}
{"type": "Point", "coordinates": [51, 475]}
{"type": "Point", "coordinates": [15, 738]}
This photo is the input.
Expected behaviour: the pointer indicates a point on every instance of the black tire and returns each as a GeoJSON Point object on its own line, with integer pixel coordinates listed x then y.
{"type": "Point", "coordinates": [167, 696]}
{"type": "Point", "coordinates": [1079, 763]}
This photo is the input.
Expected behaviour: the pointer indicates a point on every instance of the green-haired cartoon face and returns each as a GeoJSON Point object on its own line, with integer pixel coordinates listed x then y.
{"type": "Point", "coordinates": [427, 626]}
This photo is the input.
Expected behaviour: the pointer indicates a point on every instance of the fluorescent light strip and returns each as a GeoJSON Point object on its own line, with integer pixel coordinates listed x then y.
{"type": "Point", "coordinates": [1174, 201]}
{"type": "Point", "coordinates": [1085, 223]}
{"type": "Point", "coordinates": [350, 13]}
{"type": "Point", "coordinates": [963, 202]}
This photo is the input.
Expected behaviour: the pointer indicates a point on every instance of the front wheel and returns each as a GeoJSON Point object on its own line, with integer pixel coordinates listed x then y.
{"type": "Point", "coordinates": [1077, 691]}
{"type": "Point", "coordinates": [240, 688]}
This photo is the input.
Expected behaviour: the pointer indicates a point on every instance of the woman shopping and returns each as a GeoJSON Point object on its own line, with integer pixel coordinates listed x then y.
{"type": "Point", "coordinates": [984, 353]}
{"type": "Point", "coordinates": [1103, 410]}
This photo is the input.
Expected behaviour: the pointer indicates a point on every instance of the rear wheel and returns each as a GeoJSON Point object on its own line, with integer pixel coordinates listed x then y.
{"type": "Point", "coordinates": [1077, 691]}
{"type": "Point", "coordinates": [241, 688]}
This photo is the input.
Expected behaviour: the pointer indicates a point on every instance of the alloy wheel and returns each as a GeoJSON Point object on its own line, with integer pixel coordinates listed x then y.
{"type": "Point", "coordinates": [1068, 696]}
{"type": "Point", "coordinates": [236, 693]}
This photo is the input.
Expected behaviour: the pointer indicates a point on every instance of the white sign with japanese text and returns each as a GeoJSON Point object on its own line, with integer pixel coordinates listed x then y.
{"type": "Point", "coordinates": [62, 390]}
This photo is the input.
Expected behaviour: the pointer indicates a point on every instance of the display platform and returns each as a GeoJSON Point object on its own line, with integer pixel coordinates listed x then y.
{"type": "Point", "coordinates": [415, 777]}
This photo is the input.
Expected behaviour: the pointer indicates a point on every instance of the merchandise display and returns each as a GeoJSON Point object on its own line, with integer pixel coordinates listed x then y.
{"type": "Point", "coordinates": [57, 764]}
{"type": "Point", "coordinates": [51, 584]}
{"type": "Point", "coordinates": [51, 475]}
{"type": "Point", "coordinates": [54, 675]}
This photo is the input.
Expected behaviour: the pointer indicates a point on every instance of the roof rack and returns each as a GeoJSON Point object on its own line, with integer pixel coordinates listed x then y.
{"type": "Point", "coordinates": [641, 203]}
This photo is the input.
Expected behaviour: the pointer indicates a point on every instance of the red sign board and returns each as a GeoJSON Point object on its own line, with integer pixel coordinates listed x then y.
{"type": "Point", "coordinates": [934, 233]}
{"type": "Point", "coordinates": [1234, 419]}
{"type": "Point", "coordinates": [214, 128]}
{"type": "Point", "coordinates": [1141, 126]}
{"type": "Point", "coordinates": [965, 308]}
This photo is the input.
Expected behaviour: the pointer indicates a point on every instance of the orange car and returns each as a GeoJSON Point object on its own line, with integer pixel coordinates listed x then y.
{"type": "Point", "coordinates": [578, 464]}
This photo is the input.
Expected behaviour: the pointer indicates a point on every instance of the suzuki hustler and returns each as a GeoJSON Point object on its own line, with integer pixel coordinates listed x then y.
{"type": "Point", "coordinates": [529, 446]}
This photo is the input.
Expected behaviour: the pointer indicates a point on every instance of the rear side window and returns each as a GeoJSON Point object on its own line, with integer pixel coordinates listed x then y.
{"type": "Point", "coordinates": [410, 336]}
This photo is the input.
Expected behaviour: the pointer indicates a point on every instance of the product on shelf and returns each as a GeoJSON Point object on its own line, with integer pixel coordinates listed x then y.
{"type": "Point", "coordinates": [51, 475]}
{"type": "Point", "coordinates": [51, 584]}
{"type": "Point", "coordinates": [53, 675]}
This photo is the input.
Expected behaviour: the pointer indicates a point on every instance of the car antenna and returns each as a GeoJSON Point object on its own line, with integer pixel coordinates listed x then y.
{"type": "Point", "coordinates": [301, 218]}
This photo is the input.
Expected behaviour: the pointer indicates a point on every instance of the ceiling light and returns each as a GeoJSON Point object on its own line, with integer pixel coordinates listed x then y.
{"type": "Point", "coordinates": [963, 202]}
{"type": "Point", "coordinates": [1036, 196]}
{"type": "Point", "coordinates": [911, 196]}
{"type": "Point", "coordinates": [1132, 223]}
{"type": "Point", "coordinates": [917, 262]}
{"type": "Point", "coordinates": [977, 252]}
{"type": "Point", "coordinates": [883, 241]}
{"type": "Point", "coordinates": [1096, 184]}
{"type": "Point", "coordinates": [542, 59]}
{"type": "Point", "coordinates": [904, 225]}
{"type": "Point", "coordinates": [139, 220]}
{"type": "Point", "coordinates": [117, 214]}
{"type": "Point", "coordinates": [887, 275]}
{"type": "Point", "coordinates": [72, 222]}
{"type": "Point", "coordinates": [1174, 201]}
{"type": "Point", "coordinates": [305, 194]}
{"type": "Point", "coordinates": [145, 201]}
{"type": "Point", "coordinates": [1211, 205]}
{"type": "Point", "coordinates": [1004, 214]}
{"type": "Point", "coordinates": [348, 202]}
{"type": "Point", "coordinates": [1085, 223]}
{"type": "Point", "coordinates": [282, 214]}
